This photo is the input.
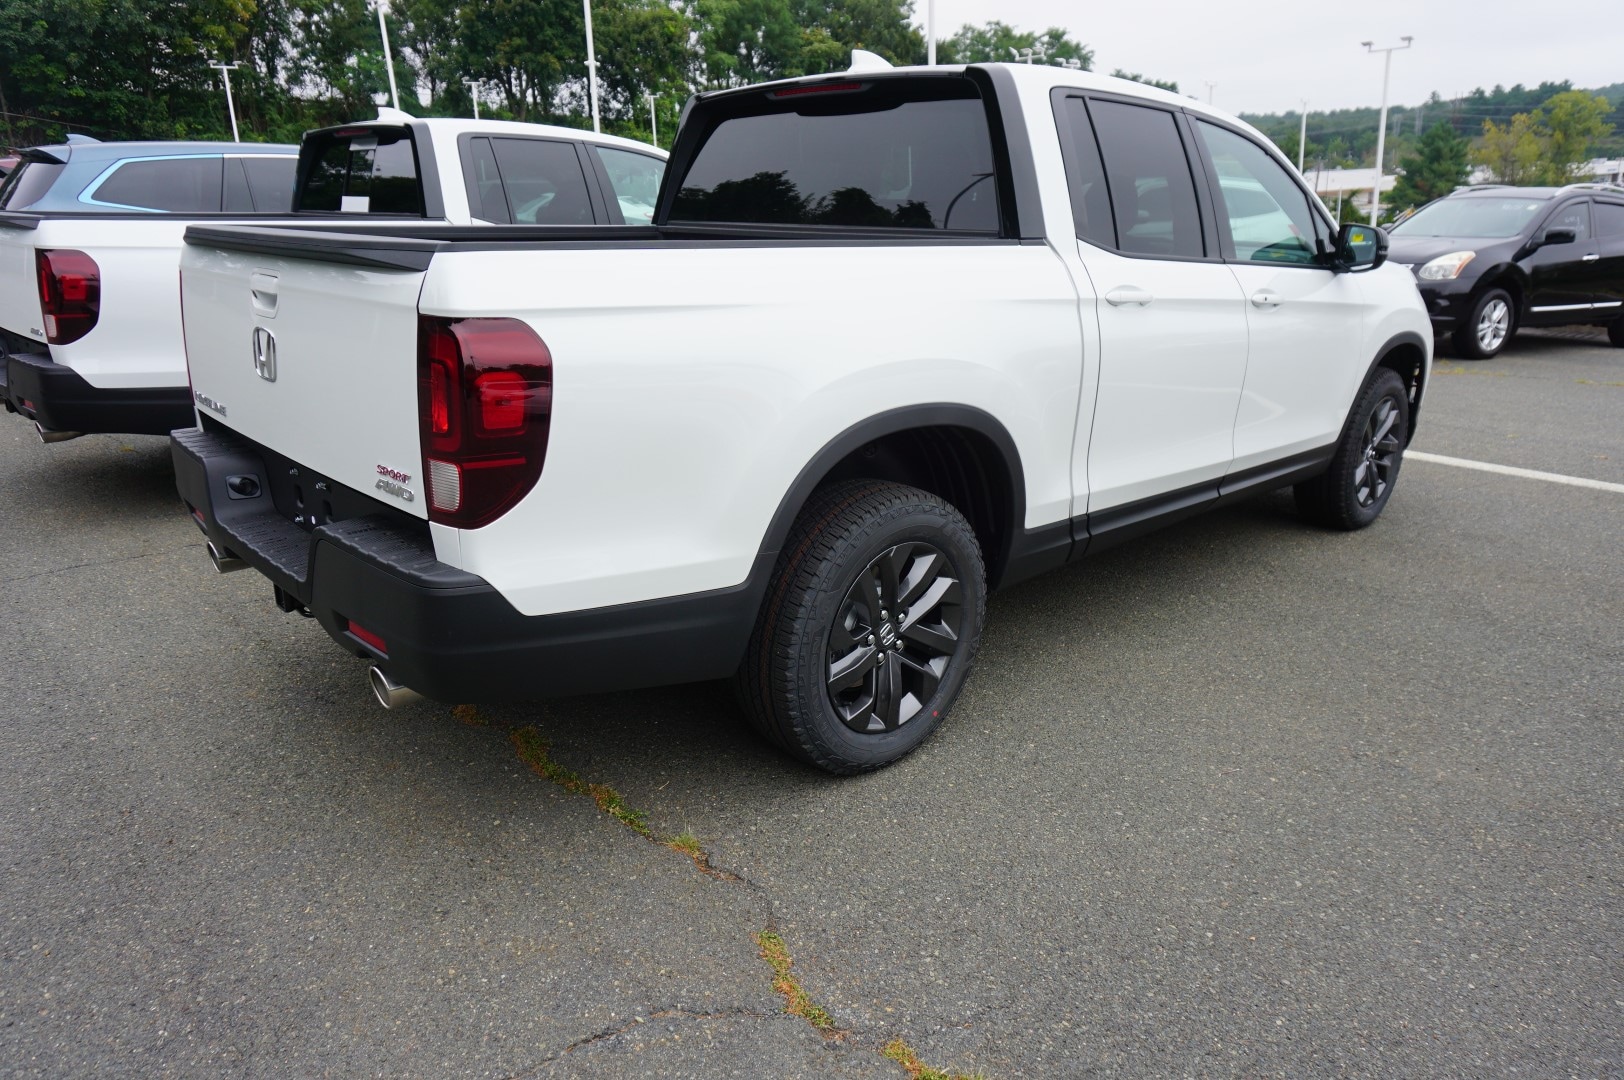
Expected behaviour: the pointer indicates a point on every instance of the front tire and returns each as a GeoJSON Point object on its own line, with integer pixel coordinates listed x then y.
{"type": "Point", "coordinates": [1352, 492]}
{"type": "Point", "coordinates": [1485, 332]}
{"type": "Point", "coordinates": [868, 629]}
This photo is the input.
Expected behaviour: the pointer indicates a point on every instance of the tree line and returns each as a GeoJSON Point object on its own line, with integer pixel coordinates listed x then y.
{"type": "Point", "coordinates": [141, 68]}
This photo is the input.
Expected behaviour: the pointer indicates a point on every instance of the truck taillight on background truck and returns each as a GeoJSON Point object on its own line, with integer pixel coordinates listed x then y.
{"type": "Point", "coordinates": [69, 294]}
{"type": "Point", "coordinates": [484, 394]}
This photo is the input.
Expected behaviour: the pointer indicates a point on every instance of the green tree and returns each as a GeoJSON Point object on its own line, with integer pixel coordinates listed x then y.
{"type": "Point", "coordinates": [1573, 121]}
{"type": "Point", "coordinates": [993, 42]}
{"type": "Point", "coordinates": [527, 50]}
{"type": "Point", "coordinates": [746, 41]}
{"type": "Point", "coordinates": [1512, 151]}
{"type": "Point", "coordinates": [642, 48]}
{"type": "Point", "coordinates": [831, 29]}
{"type": "Point", "coordinates": [1134, 76]}
{"type": "Point", "coordinates": [1439, 165]}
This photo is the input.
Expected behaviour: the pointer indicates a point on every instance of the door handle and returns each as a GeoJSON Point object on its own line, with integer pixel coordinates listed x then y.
{"type": "Point", "coordinates": [1265, 298]}
{"type": "Point", "coordinates": [1592, 257]}
{"type": "Point", "coordinates": [1128, 294]}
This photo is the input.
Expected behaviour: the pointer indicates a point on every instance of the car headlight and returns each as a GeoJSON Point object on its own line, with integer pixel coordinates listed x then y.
{"type": "Point", "coordinates": [1446, 267]}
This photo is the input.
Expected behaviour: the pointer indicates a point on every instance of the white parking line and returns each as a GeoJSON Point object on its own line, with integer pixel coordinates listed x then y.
{"type": "Point", "coordinates": [1512, 470]}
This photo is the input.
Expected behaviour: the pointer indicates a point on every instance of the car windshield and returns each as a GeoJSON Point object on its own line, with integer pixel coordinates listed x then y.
{"type": "Point", "coordinates": [1493, 217]}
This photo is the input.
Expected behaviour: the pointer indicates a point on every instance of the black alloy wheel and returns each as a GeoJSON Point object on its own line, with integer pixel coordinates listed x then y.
{"type": "Point", "coordinates": [893, 637]}
{"type": "Point", "coordinates": [1352, 492]}
{"type": "Point", "coordinates": [869, 627]}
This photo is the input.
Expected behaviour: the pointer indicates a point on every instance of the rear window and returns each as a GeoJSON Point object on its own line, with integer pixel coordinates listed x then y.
{"type": "Point", "coordinates": [27, 184]}
{"type": "Point", "coordinates": [368, 171]}
{"type": "Point", "coordinates": [182, 185]}
{"type": "Point", "coordinates": [912, 153]}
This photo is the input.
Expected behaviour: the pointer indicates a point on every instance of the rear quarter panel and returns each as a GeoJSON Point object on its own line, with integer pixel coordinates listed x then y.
{"type": "Point", "coordinates": [692, 385]}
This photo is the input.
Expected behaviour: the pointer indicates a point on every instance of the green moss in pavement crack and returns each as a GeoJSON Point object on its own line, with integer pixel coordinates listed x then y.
{"type": "Point", "coordinates": [796, 1001]}
{"type": "Point", "coordinates": [904, 1055]}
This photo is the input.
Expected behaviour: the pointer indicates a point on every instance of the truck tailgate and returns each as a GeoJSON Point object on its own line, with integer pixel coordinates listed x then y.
{"type": "Point", "coordinates": [315, 360]}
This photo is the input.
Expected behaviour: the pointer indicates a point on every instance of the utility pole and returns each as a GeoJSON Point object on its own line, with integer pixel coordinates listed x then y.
{"type": "Point", "coordinates": [930, 33]}
{"type": "Point", "coordinates": [591, 65]}
{"type": "Point", "coordinates": [473, 92]}
{"type": "Point", "coordinates": [1381, 130]}
{"type": "Point", "coordinates": [653, 121]}
{"type": "Point", "coordinates": [1210, 87]}
{"type": "Point", "coordinates": [388, 57]}
{"type": "Point", "coordinates": [225, 73]}
{"type": "Point", "coordinates": [1302, 136]}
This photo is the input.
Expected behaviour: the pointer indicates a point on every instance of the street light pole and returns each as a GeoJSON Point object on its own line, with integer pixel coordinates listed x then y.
{"type": "Point", "coordinates": [225, 73]}
{"type": "Point", "coordinates": [473, 92]}
{"type": "Point", "coordinates": [930, 32]}
{"type": "Point", "coordinates": [591, 66]}
{"type": "Point", "coordinates": [388, 57]}
{"type": "Point", "coordinates": [653, 121]}
{"type": "Point", "coordinates": [1302, 137]}
{"type": "Point", "coordinates": [1381, 132]}
{"type": "Point", "coordinates": [1210, 87]}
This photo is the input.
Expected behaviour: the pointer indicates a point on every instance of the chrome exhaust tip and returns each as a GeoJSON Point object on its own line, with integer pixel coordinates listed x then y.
{"type": "Point", "coordinates": [390, 694]}
{"type": "Point", "coordinates": [47, 436]}
{"type": "Point", "coordinates": [224, 562]}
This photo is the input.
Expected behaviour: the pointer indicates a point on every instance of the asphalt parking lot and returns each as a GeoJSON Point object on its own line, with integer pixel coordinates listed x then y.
{"type": "Point", "coordinates": [1245, 798]}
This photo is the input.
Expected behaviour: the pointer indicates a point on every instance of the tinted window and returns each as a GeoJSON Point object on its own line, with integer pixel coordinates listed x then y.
{"type": "Point", "coordinates": [270, 181]}
{"type": "Point", "coordinates": [1575, 216]}
{"type": "Point", "coordinates": [1267, 213]}
{"type": "Point", "coordinates": [543, 182]}
{"type": "Point", "coordinates": [1609, 219]}
{"type": "Point", "coordinates": [911, 154]}
{"type": "Point", "coordinates": [178, 185]}
{"type": "Point", "coordinates": [485, 197]}
{"type": "Point", "coordinates": [370, 173]}
{"type": "Point", "coordinates": [636, 180]}
{"type": "Point", "coordinates": [1490, 216]}
{"type": "Point", "coordinates": [1085, 175]}
{"type": "Point", "coordinates": [237, 198]}
{"type": "Point", "coordinates": [27, 184]}
{"type": "Point", "coordinates": [1152, 193]}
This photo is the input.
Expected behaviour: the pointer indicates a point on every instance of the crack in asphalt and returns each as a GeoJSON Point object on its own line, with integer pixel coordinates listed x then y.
{"type": "Point", "coordinates": [666, 1013]}
{"type": "Point", "coordinates": [85, 565]}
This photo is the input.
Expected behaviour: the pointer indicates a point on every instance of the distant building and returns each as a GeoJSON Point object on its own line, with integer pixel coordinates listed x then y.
{"type": "Point", "coordinates": [1337, 187]}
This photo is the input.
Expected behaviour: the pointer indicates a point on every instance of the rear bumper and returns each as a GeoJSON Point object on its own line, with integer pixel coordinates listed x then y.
{"type": "Point", "coordinates": [448, 634]}
{"type": "Point", "coordinates": [59, 399]}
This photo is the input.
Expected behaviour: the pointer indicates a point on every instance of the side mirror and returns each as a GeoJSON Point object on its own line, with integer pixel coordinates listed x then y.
{"type": "Point", "coordinates": [1359, 247]}
{"type": "Point", "coordinates": [1558, 236]}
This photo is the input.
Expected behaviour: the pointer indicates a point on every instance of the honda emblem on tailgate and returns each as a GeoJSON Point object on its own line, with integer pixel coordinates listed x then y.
{"type": "Point", "coordinates": [265, 354]}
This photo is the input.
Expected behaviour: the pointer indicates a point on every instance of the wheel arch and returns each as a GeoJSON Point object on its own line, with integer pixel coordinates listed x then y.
{"type": "Point", "coordinates": [959, 453]}
{"type": "Point", "coordinates": [1405, 354]}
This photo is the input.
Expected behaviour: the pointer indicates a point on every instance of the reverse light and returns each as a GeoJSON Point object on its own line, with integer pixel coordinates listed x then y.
{"type": "Point", "coordinates": [484, 406]}
{"type": "Point", "coordinates": [69, 293]}
{"type": "Point", "coordinates": [1446, 267]}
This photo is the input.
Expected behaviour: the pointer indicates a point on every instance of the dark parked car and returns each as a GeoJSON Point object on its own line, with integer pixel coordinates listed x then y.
{"type": "Point", "coordinates": [1492, 259]}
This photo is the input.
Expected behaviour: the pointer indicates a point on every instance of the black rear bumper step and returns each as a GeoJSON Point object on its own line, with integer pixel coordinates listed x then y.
{"type": "Point", "coordinates": [59, 399]}
{"type": "Point", "coordinates": [449, 634]}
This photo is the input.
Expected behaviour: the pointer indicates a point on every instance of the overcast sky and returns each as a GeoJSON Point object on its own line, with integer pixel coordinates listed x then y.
{"type": "Point", "coordinates": [1265, 57]}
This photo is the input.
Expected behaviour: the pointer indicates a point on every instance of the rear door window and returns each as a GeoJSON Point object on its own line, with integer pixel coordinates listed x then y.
{"type": "Point", "coordinates": [543, 182]}
{"type": "Point", "coordinates": [1085, 175]}
{"type": "Point", "coordinates": [636, 181]}
{"type": "Point", "coordinates": [1152, 189]}
{"type": "Point", "coordinates": [28, 183]}
{"type": "Point", "coordinates": [1610, 220]}
{"type": "Point", "coordinates": [365, 171]}
{"type": "Point", "coordinates": [189, 185]}
{"type": "Point", "coordinates": [270, 181]}
{"type": "Point", "coordinates": [914, 153]}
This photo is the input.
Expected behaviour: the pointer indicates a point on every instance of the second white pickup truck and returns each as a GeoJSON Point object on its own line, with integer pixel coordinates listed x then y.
{"type": "Point", "coordinates": [894, 338]}
{"type": "Point", "coordinates": [90, 318]}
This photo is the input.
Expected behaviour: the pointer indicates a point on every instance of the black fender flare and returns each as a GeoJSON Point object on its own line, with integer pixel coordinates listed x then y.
{"type": "Point", "coordinates": [907, 417]}
{"type": "Point", "coordinates": [1403, 337]}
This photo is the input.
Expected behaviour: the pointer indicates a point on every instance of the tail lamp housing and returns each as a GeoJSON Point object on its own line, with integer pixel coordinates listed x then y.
{"type": "Point", "coordinates": [69, 293]}
{"type": "Point", "coordinates": [485, 397]}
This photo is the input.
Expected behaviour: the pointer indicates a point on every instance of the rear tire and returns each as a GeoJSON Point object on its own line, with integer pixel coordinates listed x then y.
{"type": "Point", "coordinates": [1352, 492]}
{"type": "Point", "coordinates": [1615, 332]}
{"type": "Point", "coordinates": [869, 627]}
{"type": "Point", "coordinates": [1485, 332]}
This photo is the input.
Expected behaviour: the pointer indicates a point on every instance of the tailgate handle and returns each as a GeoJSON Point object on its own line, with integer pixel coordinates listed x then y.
{"type": "Point", "coordinates": [263, 287]}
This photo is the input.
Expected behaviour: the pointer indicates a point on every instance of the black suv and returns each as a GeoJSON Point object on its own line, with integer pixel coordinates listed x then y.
{"type": "Point", "coordinates": [1492, 259]}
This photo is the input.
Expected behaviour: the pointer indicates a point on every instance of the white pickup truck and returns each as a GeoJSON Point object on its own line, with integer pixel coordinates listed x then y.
{"type": "Point", "coordinates": [90, 317]}
{"type": "Point", "coordinates": [894, 338]}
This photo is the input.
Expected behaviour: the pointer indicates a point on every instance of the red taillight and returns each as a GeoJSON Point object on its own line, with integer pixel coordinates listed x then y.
{"type": "Point", "coordinates": [484, 403]}
{"type": "Point", "coordinates": [817, 88]}
{"type": "Point", "coordinates": [69, 294]}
